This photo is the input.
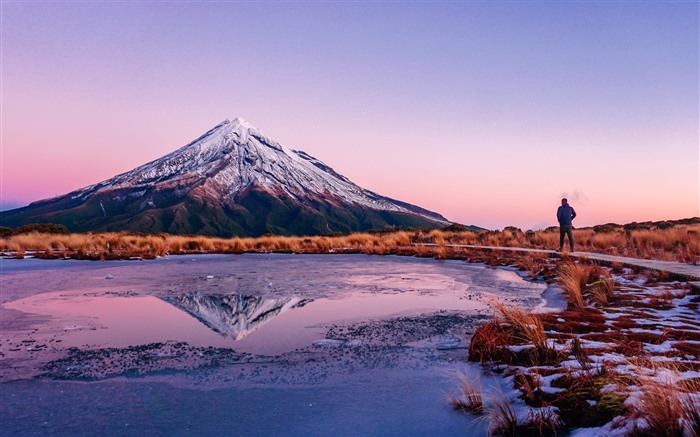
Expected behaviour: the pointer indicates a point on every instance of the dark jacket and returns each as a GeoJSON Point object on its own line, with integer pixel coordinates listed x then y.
{"type": "Point", "coordinates": [565, 214]}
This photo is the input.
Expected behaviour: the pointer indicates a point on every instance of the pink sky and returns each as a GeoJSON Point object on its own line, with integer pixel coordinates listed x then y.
{"type": "Point", "coordinates": [484, 113]}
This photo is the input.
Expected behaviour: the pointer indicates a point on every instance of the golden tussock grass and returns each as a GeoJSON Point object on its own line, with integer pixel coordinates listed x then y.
{"type": "Point", "coordinates": [601, 291]}
{"type": "Point", "coordinates": [470, 398]}
{"type": "Point", "coordinates": [679, 243]}
{"type": "Point", "coordinates": [531, 386]}
{"type": "Point", "coordinates": [489, 342]}
{"type": "Point", "coordinates": [97, 244]}
{"type": "Point", "coordinates": [579, 352]}
{"type": "Point", "coordinates": [572, 280]}
{"type": "Point", "coordinates": [532, 263]}
{"type": "Point", "coordinates": [669, 405]}
{"type": "Point", "coordinates": [501, 417]}
{"type": "Point", "coordinates": [528, 326]}
{"type": "Point", "coordinates": [543, 422]}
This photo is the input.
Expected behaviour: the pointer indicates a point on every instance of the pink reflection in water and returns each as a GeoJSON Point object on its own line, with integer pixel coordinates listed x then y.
{"type": "Point", "coordinates": [300, 327]}
{"type": "Point", "coordinates": [106, 321]}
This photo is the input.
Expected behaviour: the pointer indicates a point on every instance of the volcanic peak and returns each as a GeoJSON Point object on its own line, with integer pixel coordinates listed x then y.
{"type": "Point", "coordinates": [230, 180]}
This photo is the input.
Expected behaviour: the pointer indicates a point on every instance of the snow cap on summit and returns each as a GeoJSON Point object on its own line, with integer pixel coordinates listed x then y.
{"type": "Point", "coordinates": [240, 126]}
{"type": "Point", "coordinates": [240, 121]}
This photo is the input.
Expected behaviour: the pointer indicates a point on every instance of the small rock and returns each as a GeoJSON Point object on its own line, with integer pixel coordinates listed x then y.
{"type": "Point", "coordinates": [109, 276]}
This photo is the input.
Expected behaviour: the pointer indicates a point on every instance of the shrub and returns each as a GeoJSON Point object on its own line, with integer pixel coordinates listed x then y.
{"type": "Point", "coordinates": [45, 228]}
{"type": "Point", "coordinates": [455, 227]}
{"type": "Point", "coordinates": [607, 228]}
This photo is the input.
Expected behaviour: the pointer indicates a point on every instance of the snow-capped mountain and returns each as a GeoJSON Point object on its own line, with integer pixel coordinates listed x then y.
{"type": "Point", "coordinates": [234, 315]}
{"type": "Point", "coordinates": [233, 180]}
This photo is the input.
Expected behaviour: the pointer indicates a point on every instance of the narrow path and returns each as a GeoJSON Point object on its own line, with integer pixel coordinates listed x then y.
{"type": "Point", "coordinates": [686, 270]}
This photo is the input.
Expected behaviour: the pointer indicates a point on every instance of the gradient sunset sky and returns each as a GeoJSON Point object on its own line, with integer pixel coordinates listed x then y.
{"type": "Point", "coordinates": [486, 112]}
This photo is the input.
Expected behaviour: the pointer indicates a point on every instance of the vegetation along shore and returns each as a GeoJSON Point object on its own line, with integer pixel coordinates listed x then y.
{"type": "Point", "coordinates": [670, 241]}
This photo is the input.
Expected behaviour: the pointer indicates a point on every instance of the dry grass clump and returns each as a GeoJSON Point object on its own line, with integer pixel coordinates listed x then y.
{"type": "Point", "coordinates": [691, 413]}
{"type": "Point", "coordinates": [489, 341]}
{"type": "Point", "coordinates": [530, 384]}
{"type": "Point", "coordinates": [528, 326]}
{"type": "Point", "coordinates": [602, 291]}
{"type": "Point", "coordinates": [501, 416]}
{"type": "Point", "coordinates": [398, 239]}
{"type": "Point", "coordinates": [543, 422]}
{"type": "Point", "coordinates": [573, 279]}
{"type": "Point", "coordinates": [655, 243]}
{"type": "Point", "coordinates": [533, 263]}
{"type": "Point", "coordinates": [462, 237]}
{"type": "Point", "coordinates": [470, 399]}
{"type": "Point", "coordinates": [31, 241]}
{"type": "Point", "coordinates": [579, 352]}
{"type": "Point", "coordinates": [668, 405]}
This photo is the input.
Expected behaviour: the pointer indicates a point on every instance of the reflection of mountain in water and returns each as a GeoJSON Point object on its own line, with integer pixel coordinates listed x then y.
{"type": "Point", "coordinates": [234, 314]}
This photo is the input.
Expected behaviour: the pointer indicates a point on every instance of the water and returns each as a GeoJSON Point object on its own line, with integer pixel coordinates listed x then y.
{"type": "Point", "coordinates": [242, 344]}
{"type": "Point", "coordinates": [252, 324]}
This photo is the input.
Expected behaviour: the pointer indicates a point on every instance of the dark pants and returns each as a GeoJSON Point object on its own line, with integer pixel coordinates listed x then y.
{"type": "Point", "coordinates": [568, 230]}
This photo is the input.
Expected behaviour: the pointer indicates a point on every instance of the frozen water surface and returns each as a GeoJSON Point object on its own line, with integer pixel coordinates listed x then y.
{"type": "Point", "coordinates": [242, 344]}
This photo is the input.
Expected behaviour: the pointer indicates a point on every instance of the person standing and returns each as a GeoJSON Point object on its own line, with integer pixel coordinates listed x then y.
{"type": "Point", "coordinates": [565, 214]}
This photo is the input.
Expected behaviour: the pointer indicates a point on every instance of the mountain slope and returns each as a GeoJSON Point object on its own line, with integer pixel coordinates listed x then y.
{"type": "Point", "coordinates": [232, 180]}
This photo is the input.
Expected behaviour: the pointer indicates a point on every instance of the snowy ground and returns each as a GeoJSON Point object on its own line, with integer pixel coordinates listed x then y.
{"type": "Point", "coordinates": [603, 359]}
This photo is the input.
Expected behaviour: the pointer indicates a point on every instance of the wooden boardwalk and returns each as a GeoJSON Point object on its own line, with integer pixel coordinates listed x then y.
{"type": "Point", "coordinates": [689, 271]}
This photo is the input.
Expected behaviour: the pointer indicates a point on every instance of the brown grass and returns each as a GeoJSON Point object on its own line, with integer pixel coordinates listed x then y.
{"type": "Point", "coordinates": [488, 343]}
{"type": "Point", "coordinates": [602, 291]}
{"type": "Point", "coordinates": [528, 326]}
{"type": "Point", "coordinates": [679, 243]}
{"type": "Point", "coordinates": [531, 386]}
{"type": "Point", "coordinates": [470, 399]}
{"type": "Point", "coordinates": [579, 352]}
{"type": "Point", "coordinates": [670, 408]}
{"type": "Point", "coordinates": [543, 422]}
{"type": "Point", "coordinates": [532, 263]}
{"type": "Point", "coordinates": [114, 244]}
{"type": "Point", "coordinates": [501, 416]}
{"type": "Point", "coordinates": [572, 280]}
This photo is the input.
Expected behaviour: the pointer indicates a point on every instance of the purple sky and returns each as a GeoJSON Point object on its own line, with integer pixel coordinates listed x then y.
{"type": "Point", "coordinates": [485, 112]}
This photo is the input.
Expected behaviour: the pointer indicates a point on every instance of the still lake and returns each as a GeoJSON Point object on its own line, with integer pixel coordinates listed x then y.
{"type": "Point", "coordinates": [264, 344]}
